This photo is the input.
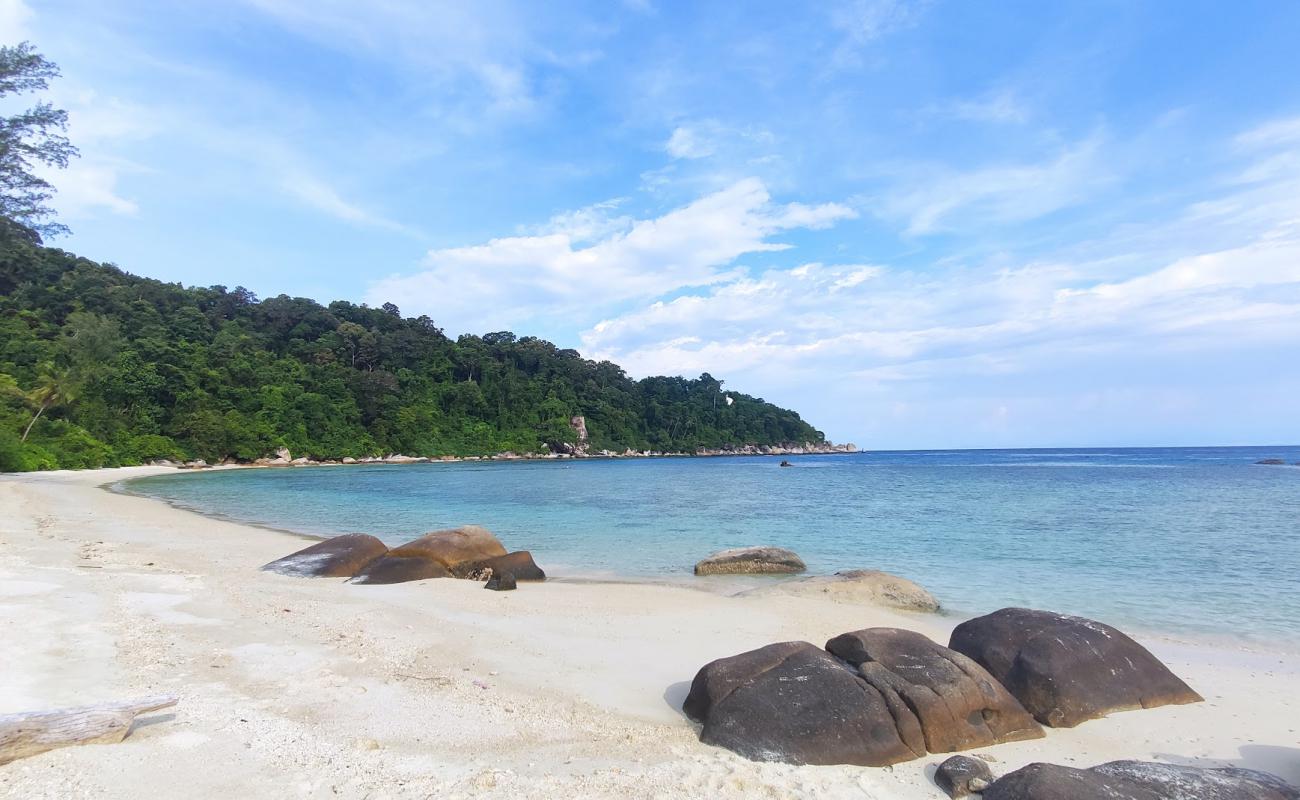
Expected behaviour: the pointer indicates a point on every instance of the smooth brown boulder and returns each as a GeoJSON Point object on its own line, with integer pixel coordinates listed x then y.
{"type": "Point", "coordinates": [398, 569]}
{"type": "Point", "coordinates": [794, 703]}
{"type": "Point", "coordinates": [519, 563]}
{"type": "Point", "coordinates": [751, 561]}
{"type": "Point", "coordinates": [1138, 780]}
{"type": "Point", "coordinates": [340, 557]}
{"type": "Point", "coordinates": [453, 547]}
{"type": "Point", "coordinates": [857, 586]}
{"type": "Point", "coordinates": [1065, 670]}
{"type": "Point", "coordinates": [956, 703]}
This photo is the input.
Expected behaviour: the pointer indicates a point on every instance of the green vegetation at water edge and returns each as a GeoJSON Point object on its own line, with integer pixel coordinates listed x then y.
{"type": "Point", "coordinates": [101, 368]}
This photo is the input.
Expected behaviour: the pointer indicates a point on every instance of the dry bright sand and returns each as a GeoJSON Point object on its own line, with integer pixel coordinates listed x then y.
{"type": "Point", "coordinates": [295, 687]}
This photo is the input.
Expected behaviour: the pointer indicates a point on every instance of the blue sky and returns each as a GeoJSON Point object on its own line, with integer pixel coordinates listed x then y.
{"type": "Point", "coordinates": [921, 224]}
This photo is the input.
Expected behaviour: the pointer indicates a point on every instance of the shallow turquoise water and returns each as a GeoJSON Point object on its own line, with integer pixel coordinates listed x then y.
{"type": "Point", "coordinates": [1187, 541]}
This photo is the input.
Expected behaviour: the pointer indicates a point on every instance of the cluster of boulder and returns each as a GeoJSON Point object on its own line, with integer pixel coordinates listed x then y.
{"type": "Point", "coordinates": [879, 696]}
{"type": "Point", "coordinates": [470, 552]}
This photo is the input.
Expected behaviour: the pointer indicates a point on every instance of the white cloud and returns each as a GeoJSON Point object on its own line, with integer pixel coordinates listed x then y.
{"type": "Point", "coordinates": [897, 325]}
{"type": "Point", "coordinates": [1002, 106]}
{"type": "Point", "coordinates": [316, 193]}
{"type": "Point", "coordinates": [688, 142]}
{"type": "Point", "coordinates": [509, 280]}
{"type": "Point", "coordinates": [933, 199]}
{"type": "Point", "coordinates": [870, 337]}
{"type": "Point", "coordinates": [489, 46]}
{"type": "Point", "coordinates": [867, 20]}
{"type": "Point", "coordinates": [87, 187]}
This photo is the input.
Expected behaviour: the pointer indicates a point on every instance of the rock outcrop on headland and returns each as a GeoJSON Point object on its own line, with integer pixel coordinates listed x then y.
{"type": "Point", "coordinates": [873, 697]}
{"type": "Point", "coordinates": [859, 587]}
{"type": "Point", "coordinates": [1138, 780]}
{"type": "Point", "coordinates": [751, 561]}
{"type": "Point", "coordinates": [339, 557]}
{"type": "Point", "coordinates": [1066, 670]}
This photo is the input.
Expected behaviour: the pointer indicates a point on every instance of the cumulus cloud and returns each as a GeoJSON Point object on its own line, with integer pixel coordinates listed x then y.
{"type": "Point", "coordinates": [551, 275]}
{"type": "Point", "coordinates": [885, 325]}
{"type": "Point", "coordinates": [875, 334]}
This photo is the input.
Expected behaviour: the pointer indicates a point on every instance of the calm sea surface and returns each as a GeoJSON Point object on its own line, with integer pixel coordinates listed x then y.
{"type": "Point", "coordinates": [1181, 540]}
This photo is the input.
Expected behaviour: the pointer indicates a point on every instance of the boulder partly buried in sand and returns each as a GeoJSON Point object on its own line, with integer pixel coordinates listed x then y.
{"type": "Point", "coordinates": [1138, 780]}
{"type": "Point", "coordinates": [401, 569]}
{"type": "Point", "coordinates": [1065, 670]}
{"type": "Point", "coordinates": [440, 554]}
{"type": "Point", "coordinates": [962, 776]}
{"type": "Point", "coordinates": [751, 561]}
{"type": "Point", "coordinates": [520, 564]}
{"type": "Point", "coordinates": [955, 703]}
{"type": "Point", "coordinates": [859, 587]}
{"type": "Point", "coordinates": [501, 582]}
{"type": "Point", "coordinates": [794, 703]}
{"type": "Point", "coordinates": [341, 557]}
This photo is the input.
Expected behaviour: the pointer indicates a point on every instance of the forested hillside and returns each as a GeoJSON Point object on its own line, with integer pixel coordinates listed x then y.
{"type": "Point", "coordinates": [99, 367]}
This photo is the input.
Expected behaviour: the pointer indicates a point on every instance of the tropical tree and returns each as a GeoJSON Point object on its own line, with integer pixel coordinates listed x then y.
{"type": "Point", "coordinates": [30, 138]}
{"type": "Point", "coordinates": [52, 389]}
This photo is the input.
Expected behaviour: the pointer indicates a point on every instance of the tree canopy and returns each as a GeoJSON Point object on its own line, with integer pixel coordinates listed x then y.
{"type": "Point", "coordinates": [99, 367]}
{"type": "Point", "coordinates": [28, 139]}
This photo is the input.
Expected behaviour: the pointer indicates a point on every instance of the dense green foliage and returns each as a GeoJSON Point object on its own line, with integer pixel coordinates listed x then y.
{"type": "Point", "coordinates": [117, 369]}
{"type": "Point", "coordinates": [30, 139]}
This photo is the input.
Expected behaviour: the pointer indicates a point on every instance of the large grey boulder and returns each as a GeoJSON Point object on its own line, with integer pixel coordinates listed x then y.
{"type": "Point", "coordinates": [751, 561]}
{"type": "Point", "coordinates": [340, 557]}
{"type": "Point", "coordinates": [867, 587]}
{"type": "Point", "coordinates": [1138, 780]}
{"type": "Point", "coordinates": [955, 704]}
{"type": "Point", "coordinates": [1065, 670]}
{"type": "Point", "coordinates": [794, 703]}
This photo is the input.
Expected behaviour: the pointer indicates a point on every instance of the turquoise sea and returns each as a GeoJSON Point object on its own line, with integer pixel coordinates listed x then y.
{"type": "Point", "coordinates": [1186, 541]}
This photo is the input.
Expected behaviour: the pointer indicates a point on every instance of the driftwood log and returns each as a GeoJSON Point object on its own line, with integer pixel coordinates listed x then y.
{"type": "Point", "coordinates": [23, 735]}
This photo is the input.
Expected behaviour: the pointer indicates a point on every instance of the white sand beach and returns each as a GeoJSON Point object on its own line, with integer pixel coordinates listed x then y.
{"type": "Point", "coordinates": [313, 688]}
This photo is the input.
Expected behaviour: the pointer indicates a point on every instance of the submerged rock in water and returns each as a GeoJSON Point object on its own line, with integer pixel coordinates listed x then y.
{"type": "Point", "coordinates": [955, 703]}
{"type": "Point", "coordinates": [751, 561]}
{"type": "Point", "coordinates": [1138, 780]}
{"type": "Point", "coordinates": [794, 703]}
{"type": "Point", "coordinates": [340, 557]}
{"type": "Point", "coordinates": [1272, 461]}
{"type": "Point", "coordinates": [961, 776]}
{"type": "Point", "coordinates": [859, 586]}
{"type": "Point", "coordinates": [1065, 670]}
